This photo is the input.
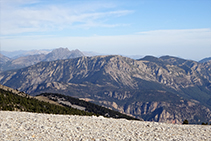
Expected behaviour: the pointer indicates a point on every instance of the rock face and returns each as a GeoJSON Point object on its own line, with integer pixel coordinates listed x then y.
{"type": "Point", "coordinates": [166, 89]}
{"type": "Point", "coordinates": [170, 112]}
{"type": "Point", "coordinates": [25, 61]}
{"type": "Point", "coordinates": [62, 53]}
{"type": "Point", "coordinates": [4, 59]}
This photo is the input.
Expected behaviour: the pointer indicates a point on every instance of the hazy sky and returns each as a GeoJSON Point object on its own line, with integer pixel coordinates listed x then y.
{"type": "Point", "coordinates": [128, 27]}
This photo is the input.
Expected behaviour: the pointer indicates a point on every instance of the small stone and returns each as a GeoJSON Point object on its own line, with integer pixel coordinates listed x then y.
{"type": "Point", "coordinates": [61, 127]}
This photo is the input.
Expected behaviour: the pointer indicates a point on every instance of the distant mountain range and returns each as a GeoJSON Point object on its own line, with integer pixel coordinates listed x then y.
{"type": "Point", "coordinates": [165, 89]}
{"type": "Point", "coordinates": [4, 59]}
{"type": "Point", "coordinates": [205, 60]}
{"type": "Point", "coordinates": [28, 60]}
{"type": "Point", "coordinates": [21, 53]}
{"type": "Point", "coordinates": [20, 59]}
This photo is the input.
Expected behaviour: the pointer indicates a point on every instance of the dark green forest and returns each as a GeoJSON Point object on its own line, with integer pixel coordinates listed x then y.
{"type": "Point", "coordinates": [13, 102]}
{"type": "Point", "coordinates": [90, 107]}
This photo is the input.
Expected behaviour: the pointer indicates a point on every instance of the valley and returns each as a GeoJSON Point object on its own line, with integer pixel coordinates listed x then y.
{"type": "Point", "coordinates": [165, 89]}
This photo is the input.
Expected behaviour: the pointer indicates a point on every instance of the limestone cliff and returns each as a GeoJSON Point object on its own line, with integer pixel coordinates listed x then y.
{"type": "Point", "coordinates": [146, 88]}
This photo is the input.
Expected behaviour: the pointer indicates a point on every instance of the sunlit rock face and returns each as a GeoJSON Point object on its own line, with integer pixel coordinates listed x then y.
{"type": "Point", "coordinates": [155, 89]}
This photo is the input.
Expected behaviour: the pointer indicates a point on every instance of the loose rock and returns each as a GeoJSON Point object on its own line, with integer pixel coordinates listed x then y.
{"type": "Point", "coordinates": [34, 126]}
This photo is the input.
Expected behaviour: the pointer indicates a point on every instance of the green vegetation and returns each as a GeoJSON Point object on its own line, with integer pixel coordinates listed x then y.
{"type": "Point", "coordinates": [90, 107]}
{"type": "Point", "coordinates": [13, 102]}
{"type": "Point", "coordinates": [185, 121]}
{"type": "Point", "coordinates": [204, 123]}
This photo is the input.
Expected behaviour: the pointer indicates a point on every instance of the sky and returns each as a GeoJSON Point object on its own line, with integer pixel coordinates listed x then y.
{"type": "Point", "coordinates": [180, 28]}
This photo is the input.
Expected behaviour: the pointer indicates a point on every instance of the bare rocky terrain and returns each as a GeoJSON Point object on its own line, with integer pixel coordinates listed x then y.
{"type": "Point", "coordinates": [33, 126]}
{"type": "Point", "coordinates": [165, 89]}
{"type": "Point", "coordinates": [28, 60]}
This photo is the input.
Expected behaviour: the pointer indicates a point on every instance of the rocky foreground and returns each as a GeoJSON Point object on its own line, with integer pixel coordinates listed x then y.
{"type": "Point", "coordinates": [33, 126]}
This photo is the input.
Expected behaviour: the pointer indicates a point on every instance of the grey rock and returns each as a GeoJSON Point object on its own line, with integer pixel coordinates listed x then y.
{"type": "Point", "coordinates": [165, 89]}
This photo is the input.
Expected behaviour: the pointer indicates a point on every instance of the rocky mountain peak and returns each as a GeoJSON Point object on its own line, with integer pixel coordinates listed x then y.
{"type": "Point", "coordinates": [4, 59]}
{"type": "Point", "coordinates": [75, 53]}
{"type": "Point", "coordinates": [149, 88]}
{"type": "Point", "coordinates": [63, 53]}
{"type": "Point", "coordinates": [60, 50]}
{"type": "Point", "coordinates": [25, 61]}
{"type": "Point", "coordinates": [57, 54]}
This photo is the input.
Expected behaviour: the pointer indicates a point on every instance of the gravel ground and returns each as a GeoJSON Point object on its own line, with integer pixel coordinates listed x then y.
{"type": "Point", "coordinates": [33, 126]}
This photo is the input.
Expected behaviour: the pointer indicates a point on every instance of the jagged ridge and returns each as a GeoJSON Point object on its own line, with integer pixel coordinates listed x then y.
{"type": "Point", "coordinates": [119, 82]}
{"type": "Point", "coordinates": [24, 61]}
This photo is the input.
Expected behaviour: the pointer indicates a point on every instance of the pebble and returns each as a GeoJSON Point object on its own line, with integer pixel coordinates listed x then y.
{"type": "Point", "coordinates": [35, 126]}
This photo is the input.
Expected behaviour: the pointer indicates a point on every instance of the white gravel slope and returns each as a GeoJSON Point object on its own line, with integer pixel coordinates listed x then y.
{"type": "Point", "coordinates": [33, 126]}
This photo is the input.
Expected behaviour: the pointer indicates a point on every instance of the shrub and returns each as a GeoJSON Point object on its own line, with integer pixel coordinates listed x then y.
{"type": "Point", "coordinates": [185, 121]}
{"type": "Point", "coordinates": [204, 123]}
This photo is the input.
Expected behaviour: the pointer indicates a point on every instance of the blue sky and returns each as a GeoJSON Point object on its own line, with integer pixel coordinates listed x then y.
{"type": "Point", "coordinates": [179, 28]}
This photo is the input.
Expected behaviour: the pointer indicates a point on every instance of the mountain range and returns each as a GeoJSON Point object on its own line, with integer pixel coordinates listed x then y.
{"type": "Point", "coordinates": [164, 89]}
{"type": "Point", "coordinates": [205, 60]}
{"type": "Point", "coordinates": [20, 53]}
{"type": "Point", "coordinates": [28, 60]}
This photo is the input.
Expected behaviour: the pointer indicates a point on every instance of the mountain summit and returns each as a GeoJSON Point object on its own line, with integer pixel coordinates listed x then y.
{"type": "Point", "coordinates": [166, 89]}
{"type": "Point", "coordinates": [62, 53]}
{"type": "Point", "coordinates": [25, 61]}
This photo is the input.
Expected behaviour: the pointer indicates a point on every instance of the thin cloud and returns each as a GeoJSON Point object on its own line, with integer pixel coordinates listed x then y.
{"type": "Point", "coordinates": [176, 31]}
{"type": "Point", "coordinates": [17, 18]}
{"type": "Point", "coordinates": [182, 43]}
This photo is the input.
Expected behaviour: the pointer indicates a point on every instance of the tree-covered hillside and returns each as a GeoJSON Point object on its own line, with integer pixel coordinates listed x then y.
{"type": "Point", "coordinates": [13, 102]}
{"type": "Point", "coordinates": [89, 107]}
